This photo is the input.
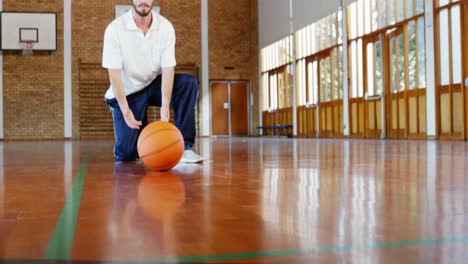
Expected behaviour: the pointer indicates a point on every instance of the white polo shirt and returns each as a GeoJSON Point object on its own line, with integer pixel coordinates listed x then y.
{"type": "Point", "coordinates": [140, 57]}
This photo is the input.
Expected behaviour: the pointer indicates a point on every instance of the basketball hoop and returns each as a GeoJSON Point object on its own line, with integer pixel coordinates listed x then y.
{"type": "Point", "coordinates": [27, 47]}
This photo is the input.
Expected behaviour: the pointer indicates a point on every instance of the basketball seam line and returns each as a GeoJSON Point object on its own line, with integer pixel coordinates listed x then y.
{"type": "Point", "coordinates": [155, 152]}
{"type": "Point", "coordinates": [152, 133]}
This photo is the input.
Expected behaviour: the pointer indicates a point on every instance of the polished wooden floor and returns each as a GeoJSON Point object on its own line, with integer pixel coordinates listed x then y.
{"type": "Point", "coordinates": [260, 200]}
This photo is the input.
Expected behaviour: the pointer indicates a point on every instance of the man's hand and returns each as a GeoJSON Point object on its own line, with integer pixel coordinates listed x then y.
{"type": "Point", "coordinates": [117, 87]}
{"type": "Point", "coordinates": [165, 113]}
{"type": "Point", "coordinates": [130, 119]}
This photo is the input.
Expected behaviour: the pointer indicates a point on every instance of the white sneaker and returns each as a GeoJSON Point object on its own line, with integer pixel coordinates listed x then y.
{"type": "Point", "coordinates": [191, 157]}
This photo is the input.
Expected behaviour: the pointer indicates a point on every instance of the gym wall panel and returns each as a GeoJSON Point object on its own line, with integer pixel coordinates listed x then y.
{"type": "Point", "coordinates": [361, 118]}
{"type": "Point", "coordinates": [378, 106]}
{"type": "Point", "coordinates": [422, 115]}
{"type": "Point", "coordinates": [445, 113]}
{"type": "Point", "coordinates": [273, 21]}
{"type": "Point", "coordinates": [457, 112]}
{"type": "Point", "coordinates": [413, 115]}
{"type": "Point", "coordinates": [371, 116]}
{"type": "Point", "coordinates": [402, 112]}
{"type": "Point", "coordinates": [274, 16]}
{"type": "Point", "coordinates": [354, 118]}
{"type": "Point", "coordinates": [394, 114]}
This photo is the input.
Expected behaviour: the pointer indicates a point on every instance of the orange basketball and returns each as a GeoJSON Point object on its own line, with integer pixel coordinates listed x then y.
{"type": "Point", "coordinates": [160, 145]}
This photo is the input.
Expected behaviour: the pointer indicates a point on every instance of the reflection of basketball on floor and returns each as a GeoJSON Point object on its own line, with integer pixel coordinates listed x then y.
{"type": "Point", "coordinates": [160, 194]}
{"type": "Point", "coordinates": [160, 145]}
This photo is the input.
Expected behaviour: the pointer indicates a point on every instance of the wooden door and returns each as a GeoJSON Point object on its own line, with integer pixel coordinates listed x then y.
{"type": "Point", "coordinates": [239, 97]}
{"type": "Point", "coordinates": [219, 109]}
{"type": "Point", "coordinates": [356, 105]}
{"type": "Point", "coordinates": [451, 68]}
{"type": "Point", "coordinates": [397, 99]}
{"type": "Point", "coordinates": [374, 75]}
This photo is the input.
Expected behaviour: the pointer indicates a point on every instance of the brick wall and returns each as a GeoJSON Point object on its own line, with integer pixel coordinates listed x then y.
{"type": "Point", "coordinates": [233, 42]}
{"type": "Point", "coordinates": [33, 85]}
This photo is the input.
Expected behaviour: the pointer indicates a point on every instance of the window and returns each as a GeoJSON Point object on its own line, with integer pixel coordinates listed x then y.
{"type": "Point", "coordinates": [370, 69]}
{"type": "Point", "coordinates": [412, 74]}
{"type": "Point", "coordinates": [444, 48]}
{"type": "Point", "coordinates": [421, 53]}
{"type": "Point", "coordinates": [301, 83]}
{"type": "Point", "coordinates": [265, 92]}
{"type": "Point", "coordinates": [383, 13]}
{"type": "Point", "coordinates": [409, 8]}
{"type": "Point", "coordinates": [313, 83]}
{"type": "Point", "coordinates": [378, 67]}
{"type": "Point", "coordinates": [273, 92]}
{"type": "Point", "coordinates": [456, 45]}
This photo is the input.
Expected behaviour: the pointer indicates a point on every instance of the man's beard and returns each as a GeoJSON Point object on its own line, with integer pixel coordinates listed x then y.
{"type": "Point", "coordinates": [141, 13]}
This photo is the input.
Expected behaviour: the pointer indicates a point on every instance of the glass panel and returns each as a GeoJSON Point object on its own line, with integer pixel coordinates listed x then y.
{"type": "Point", "coordinates": [393, 65]}
{"type": "Point", "coordinates": [288, 86]}
{"type": "Point", "coordinates": [354, 78]}
{"type": "Point", "coordinates": [367, 16]}
{"type": "Point", "coordinates": [273, 92]}
{"type": "Point", "coordinates": [335, 83]}
{"type": "Point", "coordinates": [379, 68]}
{"type": "Point", "coordinates": [340, 27]}
{"type": "Point", "coordinates": [304, 83]}
{"type": "Point", "coordinates": [299, 44]}
{"type": "Point", "coordinates": [401, 64]}
{"type": "Point", "coordinates": [419, 6]}
{"type": "Point", "coordinates": [281, 91]}
{"type": "Point", "coordinates": [310, 83]}
{"type": "Point", "coordinates": [383, 13]}
{"type": "Point", "coordinates": [315, 82]}
{"type": "Point", "coordinates": [375, 15]}
{"type": "Point", "coordinates": [308, 41]}
{"type": "Point", "coordinates": [421, 54]}
{"type": "Point", "coordinates": [409, 8]}
{"type": "Point", "coordinates": [323, 83]}
{"type": "Point", "coordinates": [333, 27]}
{"type": "Point", "coordinates": [276, 55]}
{"type": "Point", "coordinates": [443, 2]}
{"type": "Point", "coordinates": [318, 28]}
{"type": "Point", "coordinates": [401, 10]}
{"type": "Point", "coordinates": [360, 18]}
{"type": "Point", "coordinates": [370, 69]}
{"type": "Point", "coordinates": [360, 69]}
{"type": "Point", "coordinates": [262, 60]}
{"type": "Point", "coordinates": [313, 39]}
{"type": "Point", "coordinates": [340, 72]}
{"type": "Point", "coordinates": [352, 25]}
{"type": "Point", "coordinates": [444, 47]}
{"type": "Point", "coordinates": [328, 78]}
{"type": "Point", "coordinates": [298, 83]}
{"type": "Point", "coordinates": [391, 12]}
{"type": "Point", "coordinates": [265, 95]}
{"type": "Point", "coordinates": [456, 45]}
{"type": "Point", "coordinates": [412, 55]}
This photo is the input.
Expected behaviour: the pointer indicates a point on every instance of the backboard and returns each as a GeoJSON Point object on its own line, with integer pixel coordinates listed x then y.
{"type": "Point", "coordinates": [32, 31]}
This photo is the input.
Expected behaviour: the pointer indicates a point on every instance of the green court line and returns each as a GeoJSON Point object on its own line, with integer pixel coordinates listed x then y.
{"type": "Point", "coordinates": [61, 241]}
{"type": "Point", "coordinates": [305, 251]}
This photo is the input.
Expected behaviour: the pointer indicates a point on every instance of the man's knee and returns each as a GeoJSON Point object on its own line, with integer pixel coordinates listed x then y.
{"type": "Point", "coordinates": [188, 80]}
{"type": "Point", "coordinates": [125, 155]}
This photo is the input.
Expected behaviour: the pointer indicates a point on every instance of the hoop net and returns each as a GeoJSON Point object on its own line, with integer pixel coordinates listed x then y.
{"type": "Point", "coordinates": [27, 47]}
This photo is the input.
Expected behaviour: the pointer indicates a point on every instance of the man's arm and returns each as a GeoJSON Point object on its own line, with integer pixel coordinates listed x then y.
{"type": "Point", "coordinates": [117, 87]}
{"type": "Point", "coordinates": [166, 90]}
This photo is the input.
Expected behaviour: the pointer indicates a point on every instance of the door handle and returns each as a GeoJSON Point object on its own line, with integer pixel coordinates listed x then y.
{"type": "Point", "coordinates": [226, 105]}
